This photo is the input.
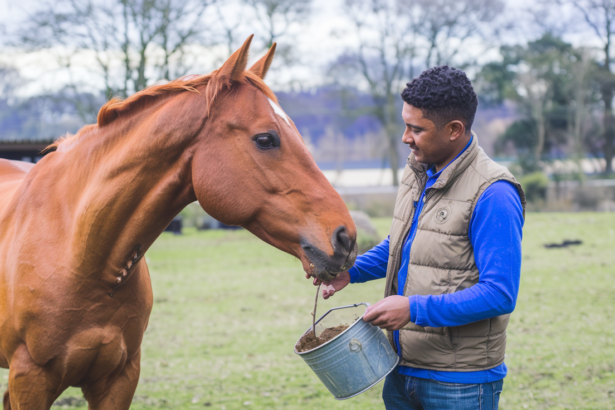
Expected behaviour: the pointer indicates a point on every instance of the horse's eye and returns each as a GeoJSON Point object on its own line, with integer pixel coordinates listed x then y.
{"type": "Point", "coordinates": [264, 141]}
{"type": "Point", "coordinates": [267, 140]}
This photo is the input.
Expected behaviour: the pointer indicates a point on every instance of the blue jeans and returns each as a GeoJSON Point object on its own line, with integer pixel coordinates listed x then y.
{"type": "Point", "coordinates": [406, 392]}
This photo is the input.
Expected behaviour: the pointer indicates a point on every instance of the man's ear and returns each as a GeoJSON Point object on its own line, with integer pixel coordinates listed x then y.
{"type": "Point", "coordinates": [456, 129]}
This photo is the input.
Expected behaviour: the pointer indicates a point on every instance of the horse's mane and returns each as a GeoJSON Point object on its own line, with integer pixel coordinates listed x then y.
{"type": "Point", "coordinates": [117, 108]}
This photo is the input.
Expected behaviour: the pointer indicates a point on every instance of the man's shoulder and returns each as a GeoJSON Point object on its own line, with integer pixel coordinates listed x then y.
{"type": "Point", "coordinates": [484, 174]}
{"type": "Point", "coordinates": [489, 170]}
{"type": "Point", "coordinates": [501, 191]}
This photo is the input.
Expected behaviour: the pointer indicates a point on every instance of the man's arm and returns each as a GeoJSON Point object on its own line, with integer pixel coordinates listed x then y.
{"type": "Point", "coordinates": [372, 264]}
{"type": "Point", "coordinates": [495, 234]}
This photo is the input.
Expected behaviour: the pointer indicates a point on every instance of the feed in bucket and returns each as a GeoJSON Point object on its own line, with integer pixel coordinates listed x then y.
{"type": "Point", "coordinates": [308, 341]}
{"type": "Point", "coordinates": [354, 359]}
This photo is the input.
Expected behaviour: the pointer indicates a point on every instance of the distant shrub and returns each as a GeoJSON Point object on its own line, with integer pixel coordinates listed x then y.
{"type": "Point", "coordinates": [535, 186]}
{"type": "Point", "coordinates": [367, 236]}
{"type": "Point", "coordinates": [588, 198]}
{"type": "Point", "coordinates": [194, 216]}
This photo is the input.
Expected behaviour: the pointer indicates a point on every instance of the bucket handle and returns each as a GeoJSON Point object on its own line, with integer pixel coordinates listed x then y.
{"type": "Point", "coordinates": [340, 307]}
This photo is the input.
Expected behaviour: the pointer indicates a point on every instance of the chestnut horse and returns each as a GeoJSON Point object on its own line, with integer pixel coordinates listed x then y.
{"type": "Point", "coordinates": [75, 292]}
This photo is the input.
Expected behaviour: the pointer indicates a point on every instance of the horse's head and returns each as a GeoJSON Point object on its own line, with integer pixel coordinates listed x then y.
{"type": "Point", "coordinates": [251, 168]}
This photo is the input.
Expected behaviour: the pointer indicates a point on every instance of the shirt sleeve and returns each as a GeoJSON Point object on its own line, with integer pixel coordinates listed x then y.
{"type": "Point", "coordinates": [372, 264]}
{"type": "Point", "coordinates": [495, 233]}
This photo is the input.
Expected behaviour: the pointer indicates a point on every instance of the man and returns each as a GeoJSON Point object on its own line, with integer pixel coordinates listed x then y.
{"type": "Point", "coordinates": [452, 261]}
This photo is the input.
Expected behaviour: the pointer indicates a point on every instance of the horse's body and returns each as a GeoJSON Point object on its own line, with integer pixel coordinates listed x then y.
{"type": "Point", "coordinates": [75, 294]}
{"type": "Point", "coordinates": [58, 327]}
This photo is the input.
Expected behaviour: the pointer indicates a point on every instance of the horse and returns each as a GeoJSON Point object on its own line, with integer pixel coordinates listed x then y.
{"type": "Point", "coordinates": [75, 291]}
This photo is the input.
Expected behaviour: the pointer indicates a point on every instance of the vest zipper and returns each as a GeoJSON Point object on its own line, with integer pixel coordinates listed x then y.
{"type": "Point", "coordinates": [406, 231]}
{"type": "Point", "coordinates": [397, 259]}
{"type": "Point", "coordinates": [399, 249]}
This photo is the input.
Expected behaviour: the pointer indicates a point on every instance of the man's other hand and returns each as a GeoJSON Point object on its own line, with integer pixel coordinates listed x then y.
{"type": "Point", "coordinates": [329, 288]}
{"type": "Point", "coordinates": [390, 313]}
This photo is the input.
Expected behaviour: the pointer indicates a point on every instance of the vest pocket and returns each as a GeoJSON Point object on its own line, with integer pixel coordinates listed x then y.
{"type": "Point", "coordinates": [425, 349]}
{"type": "Point", "coordinates": [474, 329]}
{"type": "Point", "coordinates": [449, 336]}
{"type": "Point", "coordinates": [443, 333]}
{"type": "Point", "coordinates": [447, 216]}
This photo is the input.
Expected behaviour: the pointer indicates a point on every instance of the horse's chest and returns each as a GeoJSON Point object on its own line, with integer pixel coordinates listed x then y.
{"type": "Point", "coordinates": [76, 330]}
{"type": "Point", "coordinates": [88, 352]}
{"type": "Point", "coordinates": [86, 333]}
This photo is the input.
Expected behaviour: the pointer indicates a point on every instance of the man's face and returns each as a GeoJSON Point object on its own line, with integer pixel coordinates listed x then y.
{"type": "Point", "coordinates": [429, 144]}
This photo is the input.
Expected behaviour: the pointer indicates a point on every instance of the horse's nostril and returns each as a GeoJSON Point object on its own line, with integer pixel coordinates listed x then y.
{"type": "Point", "coordinates": [340, 236]}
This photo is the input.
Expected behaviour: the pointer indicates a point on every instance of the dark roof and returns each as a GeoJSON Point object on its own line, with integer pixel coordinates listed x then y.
{"type": "Point", "coordinates": [17, 145]}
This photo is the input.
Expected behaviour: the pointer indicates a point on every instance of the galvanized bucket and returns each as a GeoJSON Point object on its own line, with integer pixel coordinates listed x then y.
{"type": "Point", "coordinates": [355, 360]}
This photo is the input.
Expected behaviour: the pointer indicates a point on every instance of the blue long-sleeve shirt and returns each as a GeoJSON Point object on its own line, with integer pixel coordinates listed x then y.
{"type": "Point", "coordinates": [495, 234]}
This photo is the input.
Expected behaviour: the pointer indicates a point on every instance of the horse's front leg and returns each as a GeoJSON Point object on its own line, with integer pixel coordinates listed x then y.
{"type": "Point", "coordinates": [115, 393]}
{"type": "Point", "coordinates": [6, 401]}
{"type": "Point", "coordinates": [31, 387]}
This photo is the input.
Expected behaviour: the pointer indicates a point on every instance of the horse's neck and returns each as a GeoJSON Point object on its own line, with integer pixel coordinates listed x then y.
{"type": "Point", "coordinates": [123, 195]}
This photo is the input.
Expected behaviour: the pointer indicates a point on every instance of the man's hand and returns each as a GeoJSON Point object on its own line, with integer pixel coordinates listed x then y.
{"type": "Point", "coordinates": [390, 313]}
{"type": "Point", "coordinates": [337, 284]}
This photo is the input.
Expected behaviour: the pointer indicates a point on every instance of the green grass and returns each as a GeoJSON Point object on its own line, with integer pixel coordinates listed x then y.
{"type": "Point", "coordinates": [228, 310]}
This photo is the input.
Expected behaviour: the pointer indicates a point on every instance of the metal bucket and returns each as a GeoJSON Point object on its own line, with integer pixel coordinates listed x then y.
{"type": "Point", "coordinates": [354, 361]}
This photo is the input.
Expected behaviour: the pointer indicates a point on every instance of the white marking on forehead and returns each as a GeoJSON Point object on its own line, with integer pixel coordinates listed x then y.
{"type": "Point", "coordinates": [278, 110]}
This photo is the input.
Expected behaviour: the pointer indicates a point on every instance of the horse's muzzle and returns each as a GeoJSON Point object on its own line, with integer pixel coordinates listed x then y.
{"type": "Point", "coordinates": [326, 267]}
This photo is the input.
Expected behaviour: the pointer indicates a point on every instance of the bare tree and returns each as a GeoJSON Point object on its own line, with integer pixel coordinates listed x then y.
{"type": "Point", "coordinates": [277, 21]}
{"type": "Point", "coordinates": [383, 60]}
{"type": "Point", "coordinates": [229, 25]}
{"type": "Point", "coordinates": [582, 98]}
{"type": "Point", "coordinates": [538, 96]}
{"type": "Point", "coordinates": [394, 33]}
{"type": "Point", "coordinates": [277, 16]}
{"type": "Point", "coordinates": [447, 25]}
{"type": "Point", "coordinates": [181, 23]}
{"type": "Point", "coordinates": [599, 15]}
{"type": "Point", "coordinates": [76, 26]}
{"type": "Point", "coordinates": [131, 39]}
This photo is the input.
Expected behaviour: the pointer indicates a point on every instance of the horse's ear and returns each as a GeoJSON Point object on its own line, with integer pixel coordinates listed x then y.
{"type": "Point", "coordinates": [237, 62]}
{"type": "Point", "coordinates": [261, 67]}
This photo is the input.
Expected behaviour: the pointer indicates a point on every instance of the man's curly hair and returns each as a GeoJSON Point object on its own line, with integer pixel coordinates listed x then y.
{"type": "Point", "coordinates": [444, 94]}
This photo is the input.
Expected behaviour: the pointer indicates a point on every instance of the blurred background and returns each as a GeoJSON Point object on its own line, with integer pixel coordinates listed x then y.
{"type": "Point", "coordinates": [542, 70]}
{"type": "Point", "coordinates": [229, 308]}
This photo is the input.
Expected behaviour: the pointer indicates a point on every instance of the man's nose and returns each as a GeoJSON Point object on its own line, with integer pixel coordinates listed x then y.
{"type": "Point", "coordinates": [407, 138]}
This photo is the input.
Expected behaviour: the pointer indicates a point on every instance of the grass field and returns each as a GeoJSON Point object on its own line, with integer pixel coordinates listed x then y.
{"type": "Point", "coordinates": [228, 310]}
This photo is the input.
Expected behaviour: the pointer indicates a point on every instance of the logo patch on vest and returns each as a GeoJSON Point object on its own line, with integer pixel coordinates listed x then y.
{"type": "Point", "coordinates": [442, 214]}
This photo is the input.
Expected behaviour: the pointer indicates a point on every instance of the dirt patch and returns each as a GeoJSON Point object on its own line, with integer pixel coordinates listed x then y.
{"type": "Point", "coordinates": [309, 342]}
{"type": "Point", "coordinates": [564, 244]}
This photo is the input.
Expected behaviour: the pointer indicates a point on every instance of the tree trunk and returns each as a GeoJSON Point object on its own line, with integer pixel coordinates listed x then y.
{"type": "Point", "coordinates": [607, 97]}
{"type": "Point", "coordinates": [577, 117]}
{"type": "Point", "coordinates": [126, 49]}
{"type": "Point", "coordinates": [392, 136]}
{"type": "Point", "coordinates": [609, 127]}
{"type": "Point", "coordinates": [141, 81]}
{"type": "Point", "coordinates": [540, 131]}
{"type": "Point", "coordinates": [393, 159]}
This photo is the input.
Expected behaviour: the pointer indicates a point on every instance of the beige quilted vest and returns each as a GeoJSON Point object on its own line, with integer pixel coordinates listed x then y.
{"type": "Point", "coordinates": [442, 261]}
